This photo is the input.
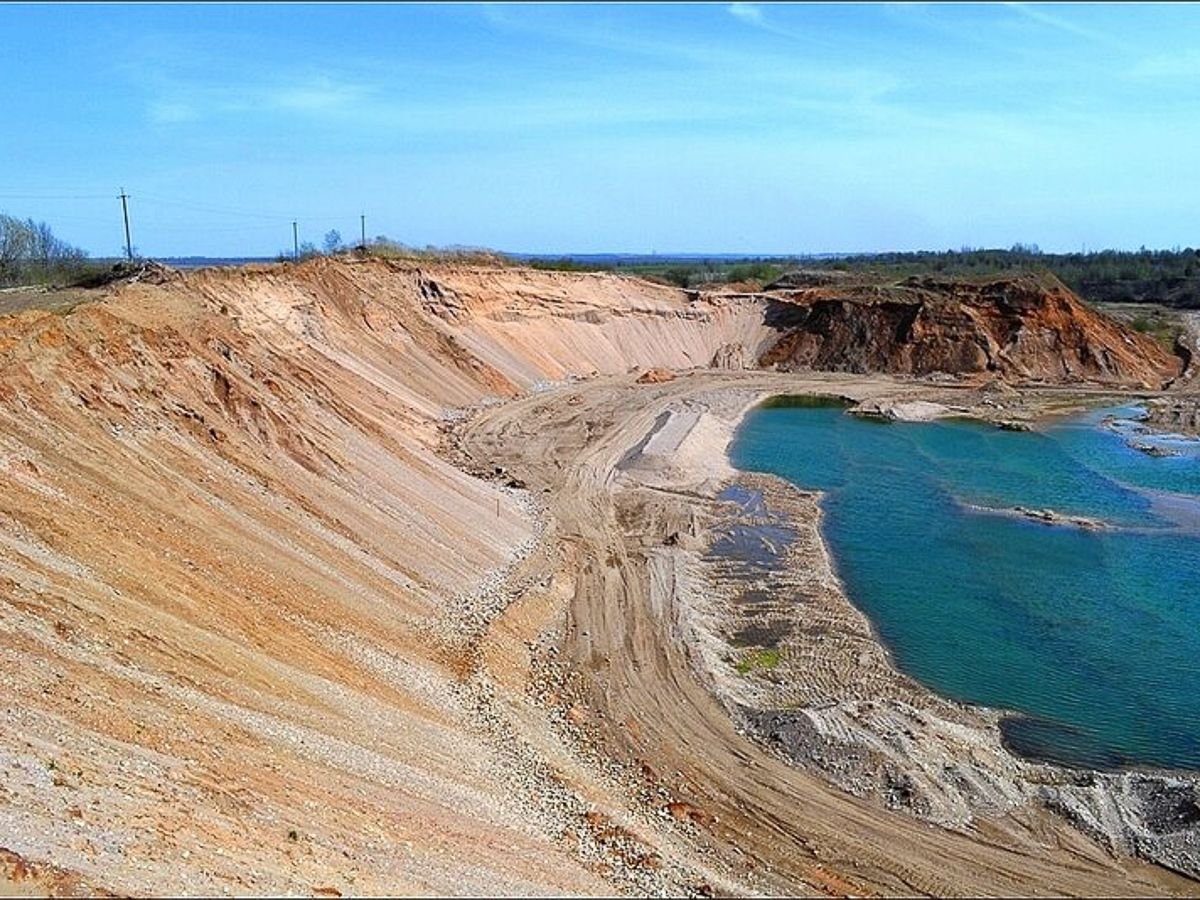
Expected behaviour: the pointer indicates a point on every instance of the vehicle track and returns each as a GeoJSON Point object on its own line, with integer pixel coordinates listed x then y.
{"type": "Point", "coordinates": [781, 828]}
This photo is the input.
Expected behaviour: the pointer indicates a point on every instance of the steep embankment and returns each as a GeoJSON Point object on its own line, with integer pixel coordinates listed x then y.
{"type": "Point", "coordinates": [240, 591]}
{"type": "Point", "coordinates": [1181, 411]}
{"type": "Point", "coordinates": [229, 559]}
{"type": "Point", "coordinates": [1018, 328]}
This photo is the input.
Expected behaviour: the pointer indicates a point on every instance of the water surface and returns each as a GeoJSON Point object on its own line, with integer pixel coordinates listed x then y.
{"type": "Point", "coordinates": [1093, 636]}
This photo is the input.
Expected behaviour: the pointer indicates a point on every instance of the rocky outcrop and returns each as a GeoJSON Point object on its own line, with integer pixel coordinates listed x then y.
{"type": "Point", "coordinates": [731, 356]}
{"type": "Point", "coordinates": [809, 278]}
{"type": "Point", "coordinates": [1180, 414]}
{"type": "Point", "coordinates": [1023, 328]}
{"type": "Point", "coordinates": [896, 411]}
{"type": "Point", "coordinates": [656, 376]}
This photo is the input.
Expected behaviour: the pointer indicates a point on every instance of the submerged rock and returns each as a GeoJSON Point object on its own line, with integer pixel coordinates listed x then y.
{"type": "Point", "coordinates": [1045, 516]}
{"type": "Point", "coordinates": [1154, 450]}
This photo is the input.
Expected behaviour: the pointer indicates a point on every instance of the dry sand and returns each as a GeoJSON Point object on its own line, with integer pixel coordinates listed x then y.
{"type": "Point", "coordinates": [642, 635]}
{"type": "Point", "coordinates": [347, 578]}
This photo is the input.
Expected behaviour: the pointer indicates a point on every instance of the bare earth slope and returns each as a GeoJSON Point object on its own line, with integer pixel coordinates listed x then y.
{"type": "Point", "coordinates": [258, 635]}
{"type": "Point", "coordinates": [1020, 328]}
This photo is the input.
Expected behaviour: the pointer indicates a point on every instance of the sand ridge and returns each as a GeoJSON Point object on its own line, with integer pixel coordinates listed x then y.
{"type": "Point", "coordinates": [328, 579]}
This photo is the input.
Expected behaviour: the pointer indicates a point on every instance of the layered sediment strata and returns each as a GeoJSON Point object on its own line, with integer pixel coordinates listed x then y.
{"type": "Point", "coordinates": [260, 635]}
{"type": "Point", "coordinates": [1020, 328]}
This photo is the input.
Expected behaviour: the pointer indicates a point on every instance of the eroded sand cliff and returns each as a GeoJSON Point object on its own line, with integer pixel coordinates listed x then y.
{"type": "Point", "coordinates": [264, 630]}
{"type": "Point", "coordinates": [1027, 328]}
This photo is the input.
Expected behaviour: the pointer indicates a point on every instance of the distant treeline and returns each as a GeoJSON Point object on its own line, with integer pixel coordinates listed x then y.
{"type": "Point", "coordinates": [31, 254]}
{"type": "Point", "coordinates": [685, 273]}
{"type": "Point", "coordinates": [1169, 277]}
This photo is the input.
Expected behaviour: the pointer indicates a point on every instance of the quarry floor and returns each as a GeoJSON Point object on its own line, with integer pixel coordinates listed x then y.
{"type": "Point", "coordinates": [260, 638]}
{"type": "Point", "coordinates": [610, 639]}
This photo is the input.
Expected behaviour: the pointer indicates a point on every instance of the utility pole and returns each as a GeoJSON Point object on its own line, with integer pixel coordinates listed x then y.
{"type": "Point", "coordinates": [295, 241]}
{"type": "Point", "coordinates": [363, 220]}
{"type": "Point", "coordinates": [125, 212]}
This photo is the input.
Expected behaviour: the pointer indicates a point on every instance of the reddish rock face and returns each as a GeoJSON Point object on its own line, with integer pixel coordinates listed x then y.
{"type": "Point", "coordinates": [1017, 328]}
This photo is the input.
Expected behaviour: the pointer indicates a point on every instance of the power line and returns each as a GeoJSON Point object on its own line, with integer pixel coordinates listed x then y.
{"type": "Point", "coordinates": [226, 211]}
{"type": "Point", "coordinates": [184, 204]}
{"type": "Point", "coordinates": [153, 201]}
{"type": "Point", "coordinates": [159, 220]}
{"type": "Point", "coordinates": [149, 223]}
{"type": "Point", "coordinates": [87, 220]}
{"type": "Point", "coordinates": [53, 196]}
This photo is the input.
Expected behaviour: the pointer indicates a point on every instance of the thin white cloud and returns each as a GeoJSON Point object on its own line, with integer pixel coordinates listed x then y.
{"type": "Point", "coordinates": [318, 95]}
{"type": "Point", "coordinates": [168, 113]}
{"type": "Point", "coordinates": [178, 100]}
{"type": "Point", "coordinates": [1036, 14]}
{"type": "Point", "coordinates": [752, 14]}
{"type": "Point", "coordinates": [747, 12]}
{"type": "Point", "coordinates": [1184, 65]}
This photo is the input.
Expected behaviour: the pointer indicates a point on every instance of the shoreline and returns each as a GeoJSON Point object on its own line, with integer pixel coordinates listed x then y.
{"type": "Point", "coordinates": [636, 667]}
{"type": "Point", "coordinates": [997, 779]}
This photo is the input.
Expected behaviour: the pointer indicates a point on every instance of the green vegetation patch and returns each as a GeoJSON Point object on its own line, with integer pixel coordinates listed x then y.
{"type": "Point", "coordinates": [758, 660]}
{"type": "Point", "coordinates": [1165, 331]}
{"type": "Point", "coordinates": [30, 254]}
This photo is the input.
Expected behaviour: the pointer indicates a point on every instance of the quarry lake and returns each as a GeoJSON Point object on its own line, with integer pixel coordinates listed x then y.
{"type": "Point", "coordinates": [1090, 635]}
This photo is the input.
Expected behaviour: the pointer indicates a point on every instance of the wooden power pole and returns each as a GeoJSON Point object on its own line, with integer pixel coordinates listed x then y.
{"type": "Point", "coordinates": [123, 197]}
{"type": "Point", "coordinates": [295, 241]}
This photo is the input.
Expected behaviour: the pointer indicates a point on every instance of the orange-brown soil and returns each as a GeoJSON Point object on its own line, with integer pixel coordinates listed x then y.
{"type": "Point", "coordinates": [1026, 328]}
{"type": "Point", "coordinates": [260, 632]}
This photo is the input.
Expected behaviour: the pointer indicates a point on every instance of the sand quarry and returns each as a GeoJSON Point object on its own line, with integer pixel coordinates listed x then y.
{"type": "Point", "coordinates": [360, 577]}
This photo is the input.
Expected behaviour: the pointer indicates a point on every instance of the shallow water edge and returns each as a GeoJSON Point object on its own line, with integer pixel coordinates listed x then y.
{"type": "Point", "coordinates": [829, 696]}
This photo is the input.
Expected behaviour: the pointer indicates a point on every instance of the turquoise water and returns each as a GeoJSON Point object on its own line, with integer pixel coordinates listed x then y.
{"type": "Point", "coordinates": [1092, 637]}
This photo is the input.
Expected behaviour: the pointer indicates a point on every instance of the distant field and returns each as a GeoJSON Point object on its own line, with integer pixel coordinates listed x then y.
{"type": "Point", "coordinates": [1167, 277]}
{"type": "Point", "coordinates": [15, 300]}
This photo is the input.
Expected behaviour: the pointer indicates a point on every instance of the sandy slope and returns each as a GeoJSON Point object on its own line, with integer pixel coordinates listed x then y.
{"type": "Point", "coordinates": [239, 585]}
{"type": "Point", "coordinates": [628, 632]}
{"type": "Point", "coordinates": [260, 632]}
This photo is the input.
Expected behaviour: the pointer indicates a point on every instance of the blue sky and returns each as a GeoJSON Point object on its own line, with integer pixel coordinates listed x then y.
{"type": "Point", "coordinates": [756, 128]}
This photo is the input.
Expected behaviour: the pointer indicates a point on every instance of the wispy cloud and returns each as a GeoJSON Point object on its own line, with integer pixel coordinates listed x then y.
{"type": "Point", "coordinates": [747, 12]}
{"type": "Point", "coordinates": [753, 14]}
{"type": "Point", "coordinates": [1039, 15]}
{"type": "Point", "coordinates": [168, 113]}
{"type": "Point", "coordinates": [1182, 65]}
{"type": "Point", "coordinates": [178, 100]}
{"type": "Point", "coordinates": [318, 95]}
